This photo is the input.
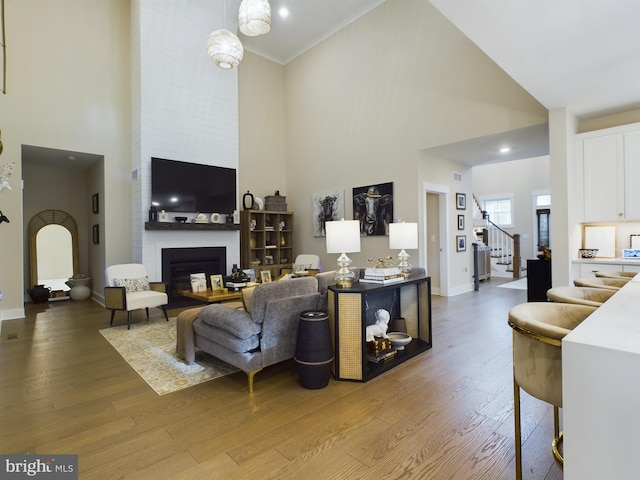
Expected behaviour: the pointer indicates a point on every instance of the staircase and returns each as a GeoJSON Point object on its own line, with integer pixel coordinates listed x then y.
{"type": "Point", "coordinates": [505, 247]}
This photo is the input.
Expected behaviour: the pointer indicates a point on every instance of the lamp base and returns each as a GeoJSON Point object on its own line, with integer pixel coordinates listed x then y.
{"type": "Point", "coordinates": [403, 265]}
{"type": "Point", "coordinates": [344, 277]}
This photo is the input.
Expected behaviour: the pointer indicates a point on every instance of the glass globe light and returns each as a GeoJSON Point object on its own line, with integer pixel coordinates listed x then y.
{"type": "Point", "coordinates": [254, 17]}
{"type": "Point", "coordinates": [224, 49]}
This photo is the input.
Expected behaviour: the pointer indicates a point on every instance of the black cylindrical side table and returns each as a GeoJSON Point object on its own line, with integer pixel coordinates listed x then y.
{"type": "Point", "coordinates": [314, 350]}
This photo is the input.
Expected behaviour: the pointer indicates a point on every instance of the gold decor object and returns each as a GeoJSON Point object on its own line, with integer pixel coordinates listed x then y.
{"type": "Point", "coordinates": [383, 262]}
{"type": "Point", "coordinates": [254, 17]}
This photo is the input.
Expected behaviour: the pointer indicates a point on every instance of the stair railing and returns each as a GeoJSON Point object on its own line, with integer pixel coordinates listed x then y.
{"type": "Point", "coordinates": [505, 247]}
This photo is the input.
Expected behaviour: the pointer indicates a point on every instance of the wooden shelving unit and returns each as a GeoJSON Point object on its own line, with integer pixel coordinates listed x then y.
{"type": "Point", "coordinates": [266, 236]}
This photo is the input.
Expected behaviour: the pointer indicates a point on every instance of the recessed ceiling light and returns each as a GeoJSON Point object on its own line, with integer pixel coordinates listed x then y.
{"type": "Point", "coordinates": [70, 157]}
{"type": "Point", "coordinates": [505, 149]}
{"type": "Point", "coordinates": [283, 12]}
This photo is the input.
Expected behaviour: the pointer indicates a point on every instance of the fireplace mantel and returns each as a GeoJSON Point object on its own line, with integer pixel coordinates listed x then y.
{"type": "Point", "coordinates": [190, 226]}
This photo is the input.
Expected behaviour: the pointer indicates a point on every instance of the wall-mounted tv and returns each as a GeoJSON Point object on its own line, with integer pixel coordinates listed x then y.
{"type": "Point", "coordinates": [191, 187]}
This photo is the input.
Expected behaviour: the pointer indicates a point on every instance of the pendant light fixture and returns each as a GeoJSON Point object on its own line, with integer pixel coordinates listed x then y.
{"type": "Point", "coordinates": [224, 48]}
{"type": "Point", "coordinates": [254, 17]}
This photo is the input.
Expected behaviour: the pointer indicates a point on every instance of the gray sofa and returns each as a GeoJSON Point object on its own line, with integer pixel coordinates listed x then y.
{"type": "Point", "coordinates": [250, 340]}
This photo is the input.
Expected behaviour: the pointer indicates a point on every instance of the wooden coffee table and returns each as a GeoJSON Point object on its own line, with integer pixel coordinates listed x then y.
{"type": "Point", "coordinates": [213, 297]}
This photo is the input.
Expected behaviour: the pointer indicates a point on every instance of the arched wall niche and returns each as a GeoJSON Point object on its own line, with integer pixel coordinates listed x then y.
{"type": "Point", "coordinates": [41, 220]}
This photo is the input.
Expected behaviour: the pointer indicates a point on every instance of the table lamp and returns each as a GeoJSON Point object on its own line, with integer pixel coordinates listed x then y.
{"type": "Point", "coordinates": [403, 235]}
{"type": "Point", "coordinates": [343, 236]}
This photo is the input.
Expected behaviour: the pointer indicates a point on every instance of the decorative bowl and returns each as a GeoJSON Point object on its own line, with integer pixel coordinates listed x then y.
{"type": "Point", "coordinates": [399, 339]}
{"type": "Point", "coordinates": [588, 252]}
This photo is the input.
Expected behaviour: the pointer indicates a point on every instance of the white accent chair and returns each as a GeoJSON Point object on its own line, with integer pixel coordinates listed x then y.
{"type": "Point", "coordinates": [128, 288]}
{"type": "Point", "coordinates": [310, 261]}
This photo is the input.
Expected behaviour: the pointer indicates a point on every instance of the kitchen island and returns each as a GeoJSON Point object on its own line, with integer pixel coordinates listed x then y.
{"type": "Point", "coordinates": [601, 391]}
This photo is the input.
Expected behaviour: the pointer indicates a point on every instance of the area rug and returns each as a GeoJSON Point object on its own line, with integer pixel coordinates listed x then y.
{"type": "Point", "coordinates": [520, 284]}
{"type": "Point", "coordinates": [149, 348]}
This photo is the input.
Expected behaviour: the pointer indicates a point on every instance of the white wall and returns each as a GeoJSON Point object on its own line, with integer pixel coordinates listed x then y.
{"type": "Point", "coordinates": [67, 88]}
{"type": "Point", "coordinates": [357, 113]}
{"type": "Point", "coordinates": [184, 108]}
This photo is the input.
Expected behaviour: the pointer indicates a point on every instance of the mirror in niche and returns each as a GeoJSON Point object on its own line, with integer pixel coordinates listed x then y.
{"type": "Point", "coordinates": [55, 256]}
{"type": "Point", "coordinates": [53, 249]}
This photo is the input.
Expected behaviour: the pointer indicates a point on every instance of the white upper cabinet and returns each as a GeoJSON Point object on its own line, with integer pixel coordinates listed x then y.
{"type": "Point", "coordinates": [610, 161]}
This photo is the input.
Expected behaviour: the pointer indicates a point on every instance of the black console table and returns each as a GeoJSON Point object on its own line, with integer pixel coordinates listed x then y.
{"type": "Point", "coordinates": [538, 280]}
{"type": "Point", "coordinates": [352, 309]}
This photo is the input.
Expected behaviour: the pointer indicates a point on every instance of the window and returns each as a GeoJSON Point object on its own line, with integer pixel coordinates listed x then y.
{"type": "Point", "coordinates": [499, 210]}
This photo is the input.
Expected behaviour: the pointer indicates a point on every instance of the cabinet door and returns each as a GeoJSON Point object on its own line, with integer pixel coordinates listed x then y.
{"type": "Point", "coordinates": [632, 175]}
{"type": "Point", "coordinates": [603, 163]}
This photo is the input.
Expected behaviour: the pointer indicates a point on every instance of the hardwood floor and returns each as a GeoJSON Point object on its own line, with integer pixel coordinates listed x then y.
{"type": "Point", "coordinates": [446, 414]}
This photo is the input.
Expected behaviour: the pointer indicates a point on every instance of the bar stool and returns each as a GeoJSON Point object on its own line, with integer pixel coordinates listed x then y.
{"type": "Point", "coordinates": [592, 297]}
{"type": "Point", "coordinates": [538, 330]}
{"type": "Point", "coordinates": [622, 275]}
{"type": "Point", "coordinates": [600, 282]}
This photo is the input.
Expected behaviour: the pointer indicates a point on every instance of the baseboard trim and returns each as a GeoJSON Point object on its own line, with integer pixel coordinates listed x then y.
{"type": "Point", "coordinates": [12, 314]}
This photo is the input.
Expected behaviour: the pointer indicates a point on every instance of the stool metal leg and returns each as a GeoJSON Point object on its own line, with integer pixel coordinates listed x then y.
{"type": "Point", "coordinates": [518, 433]}
{"type": "Point", "coordinates": [557, 437]}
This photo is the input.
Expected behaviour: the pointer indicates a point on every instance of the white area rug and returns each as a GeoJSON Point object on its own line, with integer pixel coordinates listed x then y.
{"type": "Point", "coordinates": [149, 348]}
{"type": "Point", "coordinates": [520, 284]}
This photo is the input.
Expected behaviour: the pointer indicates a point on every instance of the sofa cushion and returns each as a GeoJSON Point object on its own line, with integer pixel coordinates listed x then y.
{"type": "Point", "coordinates": [133, 284]}
{"type": "Point", "coordinates": [224, 338]}
{"type": "Point", "coordinates": [237, 322]}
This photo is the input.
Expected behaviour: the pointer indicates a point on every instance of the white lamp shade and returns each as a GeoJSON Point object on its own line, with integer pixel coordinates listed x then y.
{"type": "Point", "coordinates": [343, 236]}
{"type": "Point", "coordinates": [224, 48]}
{"type": "Point", "coordinates": [403, 236]}
{"type": "Point", "coordinates": [254, 17]}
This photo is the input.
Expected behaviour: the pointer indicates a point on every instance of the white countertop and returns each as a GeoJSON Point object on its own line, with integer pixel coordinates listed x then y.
{"type": "Point", "coordinates": [616, 324]}
{"type": "Point", "coordinates": [611, 261]}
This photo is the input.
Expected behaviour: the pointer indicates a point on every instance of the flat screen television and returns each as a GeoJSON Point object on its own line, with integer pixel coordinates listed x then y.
{"type": "Point", "coordinates": [191, 187]}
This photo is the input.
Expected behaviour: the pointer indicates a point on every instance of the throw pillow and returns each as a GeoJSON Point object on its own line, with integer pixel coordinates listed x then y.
{"type": "Point", "coordinates": [133, 284]}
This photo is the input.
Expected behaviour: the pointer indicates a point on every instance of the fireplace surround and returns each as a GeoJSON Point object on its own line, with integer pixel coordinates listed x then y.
{"type": "Point", "coordinates": [179, 263]}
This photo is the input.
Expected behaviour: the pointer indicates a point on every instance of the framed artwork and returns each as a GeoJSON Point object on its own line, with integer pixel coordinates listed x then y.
{"type": "Point", "coordinates": [460, 222]}
{"type": "Point", "coordinates": [461, 201]}
{"type": "Point", "coordinates": [217, 284]}
{"type": "Point", "coordinates": [95, 231]}
{"type": "Point", "coordinates": [326, 207]}
{"type": "Point", "coordinates": [461, 243]}
{"type": "Point", "coordinates": [95, 203]}
{"type": "Point", "coordinates": [265, 276]}
{"type": "Point", "coordinates": [373, 208]}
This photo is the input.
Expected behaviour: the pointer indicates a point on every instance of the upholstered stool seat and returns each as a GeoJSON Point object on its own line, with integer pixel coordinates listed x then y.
{"type": "Point", "coordinates": [538, 330]}
{"type": "Point", "coordinates": [592, 297]}
{"type": "Point", "coordinates": [622, 275]}
{"type": "Point", "coordinates": [600, 282]}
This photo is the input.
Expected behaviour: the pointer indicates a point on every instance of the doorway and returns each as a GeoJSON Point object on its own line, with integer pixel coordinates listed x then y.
{"type": "Point", "coordinates": [435, 237]}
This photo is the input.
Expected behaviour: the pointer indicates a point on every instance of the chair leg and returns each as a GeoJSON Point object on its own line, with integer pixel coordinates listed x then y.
{"type": "Point", "coordinates": [147, 310]}
{"type": "Point", "coordinates": [113, 312]}
{"type": "Point", "coordinates": [164, 310]}
{"type": "Point", "coordinates": [518, 433]}
{"type": "Point", "coordinates": [129, 320]}
{"type": "Point", "coordinates": [250, 376]}
{"type": "Point", "coordinates": [557, 437]}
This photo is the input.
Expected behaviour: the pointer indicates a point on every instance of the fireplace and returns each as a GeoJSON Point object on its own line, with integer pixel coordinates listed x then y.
{"type": "Point", "coordinates": [179, 263]}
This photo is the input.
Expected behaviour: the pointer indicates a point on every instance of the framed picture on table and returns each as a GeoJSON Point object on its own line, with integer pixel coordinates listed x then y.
{"type": "Point", "coordinates": [217, 283]}
{"type": "Point", "coordinates": [265, 276]}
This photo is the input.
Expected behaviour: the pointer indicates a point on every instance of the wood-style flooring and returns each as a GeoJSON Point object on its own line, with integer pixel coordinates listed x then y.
{"type": "Point", "coordinates": [446, 414]}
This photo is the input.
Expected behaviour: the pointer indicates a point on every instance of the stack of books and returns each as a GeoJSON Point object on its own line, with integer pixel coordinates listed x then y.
{"type": "Point", "coordinates": [382, 276]}
{"type": "Point", "coordinates": [379, 350]}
